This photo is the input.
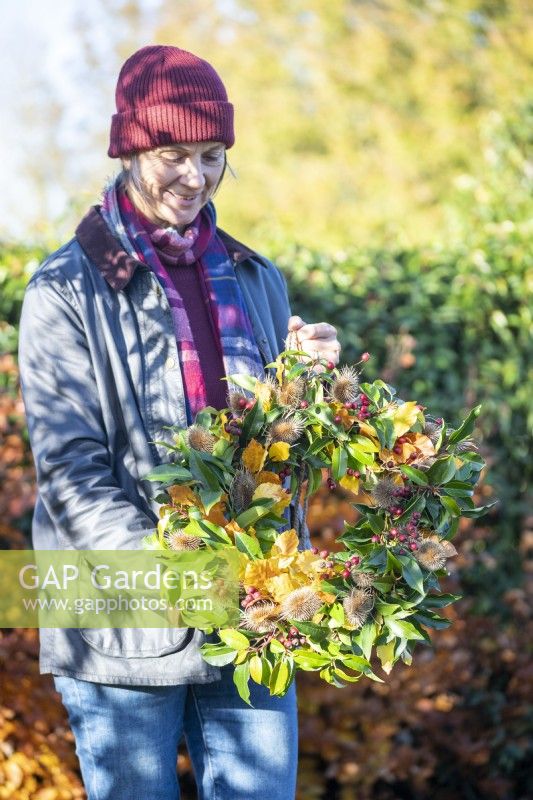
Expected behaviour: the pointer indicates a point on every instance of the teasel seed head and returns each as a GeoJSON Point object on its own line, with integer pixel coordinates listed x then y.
{"type": "Point", "coordinates": [383, 493]}
{"type": "Point", "coordinates": [363, 580]}
{"type": "Point", "coordinates": [200, 439]}
{"type": "Point", "coordinates": [301, 604]}
{"type": "Point", "coordinates": [242, 489]}
{"type": "Point", "coordinates": [467, 445]}
{"type": "Point", "coordinates": [286, 429]}
{"type": "Point", "coordinates": [266, 390]}
{"type": "Point", "coordinates": [430, 556]}
{"type": "Point", "coordinates": [291, 393]}
{"type": "Point", "coordinates": [237, 401]}
{"type": "Point", "coordinates": [432, 431]}
{"type": "Point", "coordinates": [178, 540]}
{"type": "Point", "coordinates": [426, 462]}
{"type": "Point", "coordinates": [432, 553]}
{"type": "Point", "coordinates": [260, 617]}
{"type": "Point", "coordinates": [447, 547]}
{"type": "Point", "coordinates": [357, 606]}
{"type": "Point", "coordinates": [345, 387]}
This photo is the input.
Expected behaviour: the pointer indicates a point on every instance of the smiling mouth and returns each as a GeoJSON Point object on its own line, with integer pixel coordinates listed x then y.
{"type": "Point", "coordinates": [183, 196]}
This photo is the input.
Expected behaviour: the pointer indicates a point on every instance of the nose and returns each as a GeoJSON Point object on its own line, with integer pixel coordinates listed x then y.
{"type": "Point", "coordinates": [193, 175]}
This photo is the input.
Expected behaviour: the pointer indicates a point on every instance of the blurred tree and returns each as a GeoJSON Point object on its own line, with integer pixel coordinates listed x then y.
{"type": "Point", "coordinates": [354, 118]}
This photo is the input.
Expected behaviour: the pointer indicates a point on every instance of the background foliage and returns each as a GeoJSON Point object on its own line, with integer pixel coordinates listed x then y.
{"type": "Point", "coordinates": [357, 122]}
{"type": "Point", "coordinates": [384, 161]}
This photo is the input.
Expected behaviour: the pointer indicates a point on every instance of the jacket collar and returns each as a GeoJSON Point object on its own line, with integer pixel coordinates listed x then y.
{"type": "Point", "coordinates": [117, 267]}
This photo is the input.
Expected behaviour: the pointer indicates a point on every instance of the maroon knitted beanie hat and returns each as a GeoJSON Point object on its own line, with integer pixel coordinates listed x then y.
{"type": "Point", "coordinates": [166, 95]}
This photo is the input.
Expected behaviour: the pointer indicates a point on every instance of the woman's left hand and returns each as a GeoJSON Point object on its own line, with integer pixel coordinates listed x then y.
{"type": "Point", "coordinates": [317, 339]}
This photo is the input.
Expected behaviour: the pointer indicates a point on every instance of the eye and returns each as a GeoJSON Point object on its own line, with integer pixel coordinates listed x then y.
{"type": "Point", "coordinates": [213, 158]}
{"type": "Point", "coordinates": [171, 156]}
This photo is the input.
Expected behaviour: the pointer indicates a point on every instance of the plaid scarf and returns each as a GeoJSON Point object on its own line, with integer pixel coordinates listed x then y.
{"type": "Point", "coordinates": [199, 244]}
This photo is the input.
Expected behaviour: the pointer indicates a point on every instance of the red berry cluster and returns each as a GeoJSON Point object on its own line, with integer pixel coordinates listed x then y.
{"type": "Point", "coordinates": [354, 561]}
{"type": "Point", "coordinates": [234, 426]}
{"type": "Point", "coordinates": [402, 493]}
{"type": "Point", "coordinates": [284, 472]}
{"type": "Point", "coordinates": [328, 564]}
{"type": "Point", "coordinates": [398, 445]}
{"type": "Point", "coordinates": [360, 405]}
{"type": "Point", "coordinates": [331, 484]}
{"type": "Point", "coordinates": [252, 595]}
{"type": "Point", "coordinates": [364, 413]}
{"type": "Point", "coordinates": [293, 639]}
{"type": "Point", "coordinates": [407, 536]}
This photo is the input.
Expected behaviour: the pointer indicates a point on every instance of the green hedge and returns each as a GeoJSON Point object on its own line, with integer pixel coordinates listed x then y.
{"type": "Point", "coordinates": [451, 329]}
{"type": "Point", "coordinates": [17, 262]}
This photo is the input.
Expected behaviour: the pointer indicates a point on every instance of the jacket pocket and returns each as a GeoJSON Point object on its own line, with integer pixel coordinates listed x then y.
{"type": "Point", "coordinates": [137, 642]}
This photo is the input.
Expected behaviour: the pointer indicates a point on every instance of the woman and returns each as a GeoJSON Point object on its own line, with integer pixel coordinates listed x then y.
{"type": "Point", "coordinates": [128, 328]}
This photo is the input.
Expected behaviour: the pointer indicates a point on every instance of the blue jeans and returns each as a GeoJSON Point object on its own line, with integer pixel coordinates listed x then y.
{"type": "Point", "coordinates": [127, 739]}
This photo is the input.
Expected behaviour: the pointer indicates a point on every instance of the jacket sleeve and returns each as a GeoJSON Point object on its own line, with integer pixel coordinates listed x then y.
{"type": "Point", "coordinates": [75, 480]}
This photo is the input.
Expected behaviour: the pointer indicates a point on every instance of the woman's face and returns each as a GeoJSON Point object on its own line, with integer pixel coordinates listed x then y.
{"type": "Point", "coordinates": [178, 180]}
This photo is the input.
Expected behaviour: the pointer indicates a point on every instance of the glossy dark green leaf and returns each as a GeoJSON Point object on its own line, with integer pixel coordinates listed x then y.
{"type": "Point", "coordinates": [169, 473]}
{"type": "Point", "coordinates": [339, 462]}
{"type": "Point", "coordinates": [466, 428]}
{"type": "Point", "coordinates": [415, 475]}
{"type": "Point", "coordinates": [441, 471]}
{"type": "Point", "coordinates": [202, 472]}
{"type": "Point", "coordinates": [412, 574]}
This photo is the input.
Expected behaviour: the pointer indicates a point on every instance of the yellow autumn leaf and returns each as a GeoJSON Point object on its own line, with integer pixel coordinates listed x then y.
{"type": "Point", "coordinates": [242, 562]}
{"type": "Point", "coordinates": [327, 597]}
{"type": "Point", "coordinates": [279, 586]}
{"type": "Point", "coordinates": [259, 571]}
{"type": "Point", "coordinates": [423, 444]}
{"type": "Point", "coordinates": [279, 451]}
{"type": "Point", "coordinates": [350, 483]}
{"type": "Point", "coordinates": [404, 417]}
{"type": "Point", "coordinates": [364, 499]}
{"type": "Point", "coordinates": [407, 450]}
{"type": "Point", "coordinates": [267, 477]}
{"type": "Point", "coordinates": [216, 514]}
{"type": "Point", "coordinates": [183, 496]}
{"type": "Point", "coordinates": [272, 491]}
{"type": "Point", "coordinates": [256, 668]}
{"type": "Point", "coordinates": [254, 455]}
{"type": "Point", "coordinates": [223, 432]}
{"type": "Point", "coordinates": [232, 528]}
{"type": "Point", "coordinates": [162, 524]}
{"type": "Point", "coordinates": [286, 544]}
{"type": "Point", "coordinates": [368, 430]}
{"type": "Point", "coordinates": [307, 562]}
{"type": "Point", "coordinates": [264, 392]}
{"type": "Point", "coordinates": [164, 509]}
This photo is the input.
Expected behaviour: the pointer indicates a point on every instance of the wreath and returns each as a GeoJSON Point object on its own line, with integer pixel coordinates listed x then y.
{"type": "Point", "coordinates": [241, 478]}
